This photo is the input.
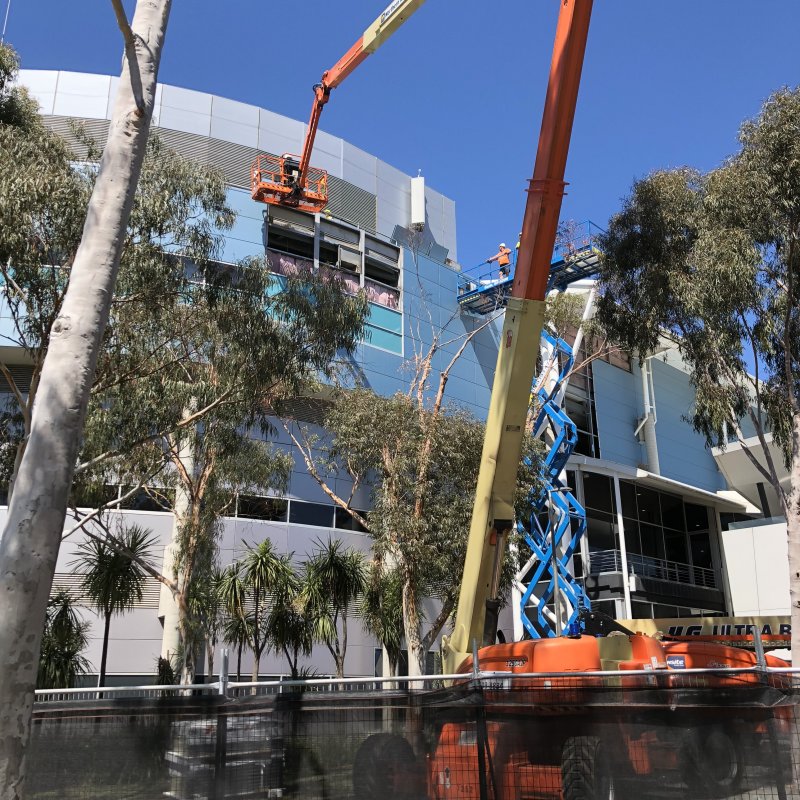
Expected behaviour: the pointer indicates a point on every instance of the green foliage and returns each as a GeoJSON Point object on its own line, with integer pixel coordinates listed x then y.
{"type": "Point", "coordinates": [63, 642]}
{"type": "Point", "coordinates": [334, 578]}
{"type": "Point", "coordinates": [112, 580]}
{"type": "Point", "coordinates": [165, 672]}
{"type": "Point", "coordinates": [381, 608]}
{"type": "Point", "coordinates": [713, 260]}
{"type": "Point", "coordinates": [420, 517]}
{"type": "Point", "coordinates": [17, 108]}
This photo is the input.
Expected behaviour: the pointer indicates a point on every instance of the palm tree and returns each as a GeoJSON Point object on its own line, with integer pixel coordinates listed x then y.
{"type": "Point", "coordinates": [63, 642]}
{"type": "Point", "coordinates": [205, 616]}
{"type": "Point", "coordinates": [291, 627]}
{"type": "Point", "coordinates": [236, 632]}
{"type": "Point", "coordinates": [258, 577]}
{"type": "Point", "coordinates": [334, 578]}
{"type": "Point", "coordinates": [382, 610]}
{"type": "Point", "coordinates": [112, 580]}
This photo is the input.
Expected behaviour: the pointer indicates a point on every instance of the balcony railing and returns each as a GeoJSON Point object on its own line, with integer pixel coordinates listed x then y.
{"type": "Point", "coordinates": [648, 567]}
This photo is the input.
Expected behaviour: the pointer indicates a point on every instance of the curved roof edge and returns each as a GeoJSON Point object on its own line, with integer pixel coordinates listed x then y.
{"type": "Point", "coordinates": [90, 96]}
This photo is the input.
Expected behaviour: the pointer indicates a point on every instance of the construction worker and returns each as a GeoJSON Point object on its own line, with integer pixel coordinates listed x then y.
{"type": "Point", "coordinates": [502, 257]}
{"type": "Point", "coordinates": [516, 248]}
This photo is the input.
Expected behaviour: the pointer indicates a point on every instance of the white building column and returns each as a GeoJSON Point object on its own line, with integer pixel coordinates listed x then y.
{"type": "Point", "coordinates": [623, 551]}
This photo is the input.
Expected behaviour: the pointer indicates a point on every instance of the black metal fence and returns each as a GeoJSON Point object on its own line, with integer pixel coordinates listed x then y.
{"type": "Point", "coordinates": [593, 737]}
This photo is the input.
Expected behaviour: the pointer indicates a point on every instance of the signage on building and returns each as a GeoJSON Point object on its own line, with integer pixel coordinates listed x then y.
{"type": "Point", "coordinates": [775, 631]}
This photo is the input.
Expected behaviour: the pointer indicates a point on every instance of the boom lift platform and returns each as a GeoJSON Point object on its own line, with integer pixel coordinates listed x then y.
{"type": "Point", "coordinates": [573, 260]}
{"type": "Point", "coordinates": [290, 180]}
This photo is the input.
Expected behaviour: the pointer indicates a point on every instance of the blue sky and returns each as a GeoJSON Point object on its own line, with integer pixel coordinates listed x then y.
{"type": "Point", "coordinates": [458, 91]}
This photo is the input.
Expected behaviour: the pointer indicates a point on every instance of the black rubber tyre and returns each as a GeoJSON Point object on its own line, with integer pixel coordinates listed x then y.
{"type": "Point", "coordinates": [385, 767]}
{"type": "Point", "coordinates": [585, 771]}
{"type": "Point", "coordinates": [713, 763]}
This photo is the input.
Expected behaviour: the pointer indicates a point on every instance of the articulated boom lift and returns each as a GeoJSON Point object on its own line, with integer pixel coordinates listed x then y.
{"type": "Point", "coordinates": [290, 180]}
{"type": "Point", "coordinates": [493, 513]}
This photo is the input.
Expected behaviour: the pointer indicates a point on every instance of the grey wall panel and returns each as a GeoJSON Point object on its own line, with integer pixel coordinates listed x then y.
{"type": "Point", "coordinates": [233, 111]}
{"type": "Point", "coordinates": [236, 132]}
{"type": "Point", "coordinates": [351, 203]}
{"type": "Point", "coordinates": [234, 160]}
{"type": "Point", "coordinates": [186, 100]}
{"type": "Point", "coordinates": [96, 129]}
{"type": "Point", "coordinates": [41, 83]}
{"type": "Point", "coordinates": [82, 95]}
{"type": "Point", "coordinates": [178, 119]}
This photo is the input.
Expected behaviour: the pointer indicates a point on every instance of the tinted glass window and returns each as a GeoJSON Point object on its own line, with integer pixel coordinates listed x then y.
{"type": "Point", "coordinates": [627, 493]}
{"type": "Point", "coordinates": [672, 512]}
{"type": "Point", "coordinates": [597, 492]}
{"type": "Point", "coordinates": [652, 541]}
{"type": "Point", "coordinates": [272, 509]}
{"type": "Point", "coordinates": [648, 506]}
{"type": "Point", "coordinates": [701, 550]}
{"type": "Point", "coordinates": [696, 517]}
{"type": "Point", "coordinates": [675, 546]}
{"type": "Point", "coordinates": [310, 514]}
{"type": "Point", "coordinates": [345, 521]}
{"type": "Point", "coordinates": [632, 543]}
{"type": "Point", "coordinates": [600, 531]}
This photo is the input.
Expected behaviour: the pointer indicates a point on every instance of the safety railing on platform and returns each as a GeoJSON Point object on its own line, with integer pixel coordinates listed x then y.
{"type": "Point", "coordinates": [649, 567]}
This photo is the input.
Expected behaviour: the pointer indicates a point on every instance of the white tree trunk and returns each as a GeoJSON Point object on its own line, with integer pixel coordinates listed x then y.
{"type": "Point", "coordinates": [30, 540]}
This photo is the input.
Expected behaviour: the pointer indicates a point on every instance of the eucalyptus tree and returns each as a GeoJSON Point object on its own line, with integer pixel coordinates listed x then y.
{"type": "Point", "coordinates": [113, 581]}
{"type": "Point", "coordinates": [421, 465]}
{"type": "Point", "coordinates": [64, 640]}
{"type": "Point", "coordinates": [334, 578]}
{"type": "Point", "coordinates": [713, 260]}
{"type": "Point", "coordinates": [37, 508]}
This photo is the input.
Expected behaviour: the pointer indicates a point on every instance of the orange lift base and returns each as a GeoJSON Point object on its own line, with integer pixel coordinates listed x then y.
{"type": "Point", "coordinates": [273, 180]}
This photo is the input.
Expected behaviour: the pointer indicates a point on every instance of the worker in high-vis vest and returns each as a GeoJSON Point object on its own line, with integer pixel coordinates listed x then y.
{"type": "Point", "coordinates": [502, 257]}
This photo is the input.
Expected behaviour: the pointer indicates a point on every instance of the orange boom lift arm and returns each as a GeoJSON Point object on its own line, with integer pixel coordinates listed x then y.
{"type": "Point", "coordinates": [291, 180]}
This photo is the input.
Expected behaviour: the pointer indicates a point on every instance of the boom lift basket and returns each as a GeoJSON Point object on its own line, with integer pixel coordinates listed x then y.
{"type": "Point", "coordinates": [274, 180]}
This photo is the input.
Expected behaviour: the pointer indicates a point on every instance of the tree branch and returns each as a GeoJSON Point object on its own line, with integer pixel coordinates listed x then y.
{"type": "Point", "coordinates": [122, 22]}
{"type": "Point", "coordinates": [314, 472]}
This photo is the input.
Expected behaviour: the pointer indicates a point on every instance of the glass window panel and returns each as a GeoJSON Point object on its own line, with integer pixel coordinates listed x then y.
{"type": "Point", "coordinates": [675, 546]}
{"type": "Point", "coordinates": [598, 492]}
{"type": "Point", "coordinates": [271, 509]}
{"type": "Point", "coordinates": [641, 610]}
{"type": "Point", "coordinates": [652, 541]}
{"type": "Point", "coordinates": [632, 543]}
{"type": "Point", "coordinates": [672, 512]}
{"type": "Point", "coordinates": [696, 517]}
{"type": "Point", "coordinates": [600, 531]}
{"type": "Point", "coordinates": [345, 521]}
{"type": "Point", "coordinates": [648, 505]}
{"type": "Point", "coordinates": [304, 513]}
{"type": "Point", "coordinates": [701, 550]}
{"type": "Point", "coordinates": [627, 493]}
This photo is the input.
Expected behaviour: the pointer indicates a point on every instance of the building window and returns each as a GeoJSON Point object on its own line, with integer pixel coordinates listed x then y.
{"type": "Point", "coordinates": [270, 509]}
{"type": "Point", "coordinates": [345, 521]}
{"type": "Point", "coordinates": [302, 513]}
{"type": "Point", "coordinates": [290, 231]}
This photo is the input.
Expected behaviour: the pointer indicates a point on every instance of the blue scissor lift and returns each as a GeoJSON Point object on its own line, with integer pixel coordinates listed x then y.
{"type": "Point", "coordinates": [555, 506]}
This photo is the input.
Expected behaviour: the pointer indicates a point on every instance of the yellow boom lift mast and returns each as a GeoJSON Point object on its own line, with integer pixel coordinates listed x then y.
{"type": "Point", "coordinates": [493, 512]}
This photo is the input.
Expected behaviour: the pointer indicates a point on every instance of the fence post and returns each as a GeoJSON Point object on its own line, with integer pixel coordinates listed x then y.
{"type": "Point", "coordinates": [223, 673]}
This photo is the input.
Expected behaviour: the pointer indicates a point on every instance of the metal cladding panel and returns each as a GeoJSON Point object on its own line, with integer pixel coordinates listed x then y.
{"type": "Point", "coordinates": [350, 203]}
{"type": "Point", "coordinates": [234, 160]}
{"type": "Point", "coordinates": [618, 400]}
{"type": "Point", "coordinates": [96, 129]}
{"type": "Point", "coordinates": [682, 452]}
